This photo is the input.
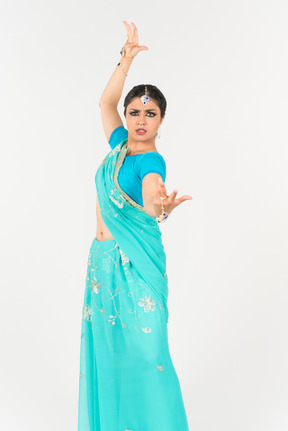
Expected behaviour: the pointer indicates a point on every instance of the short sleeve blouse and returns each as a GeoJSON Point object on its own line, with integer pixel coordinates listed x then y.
{"type": "Point", "coordinates": [136, 167]}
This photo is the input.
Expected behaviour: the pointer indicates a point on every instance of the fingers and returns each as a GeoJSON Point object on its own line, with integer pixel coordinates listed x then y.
{"type": "Point", "coordinates": [172, 195]}
{"type": "Point", "coordinates": [183, 198]}
{"type": "Point", "coordinates": [135, 33]}
{"type": "Point", "coordinates": [143, 47]}
{"type": "Point", "coordinates": [136, 39]}
{"type": "Point", "coordinates": [161, 187]}
{"type": "Point", "coordinates": [172, 198]}
{"type": "Point", "coordinates": [129, 31]}
{"type": "Point", "coordinates": [133, 38]}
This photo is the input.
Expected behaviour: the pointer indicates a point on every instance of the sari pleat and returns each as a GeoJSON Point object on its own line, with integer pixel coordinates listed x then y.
{"type": "Point", "coordinates": [127, 379]}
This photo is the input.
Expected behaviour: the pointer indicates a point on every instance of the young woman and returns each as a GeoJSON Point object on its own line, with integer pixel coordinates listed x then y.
{"type": "Point", "coordinates": [127, 379]}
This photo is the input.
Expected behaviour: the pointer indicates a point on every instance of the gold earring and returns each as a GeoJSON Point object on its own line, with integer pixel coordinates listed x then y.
{"type": "Point", "coordinates": [158, 133]}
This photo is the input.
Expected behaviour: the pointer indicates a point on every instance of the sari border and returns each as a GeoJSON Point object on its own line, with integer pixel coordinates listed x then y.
{"type": "Point", "coordinates": [118, 163]}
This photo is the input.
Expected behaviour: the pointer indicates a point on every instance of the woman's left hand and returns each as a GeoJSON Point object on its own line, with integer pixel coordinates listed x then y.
{"type": "Point", "coordinates": [170, 202]}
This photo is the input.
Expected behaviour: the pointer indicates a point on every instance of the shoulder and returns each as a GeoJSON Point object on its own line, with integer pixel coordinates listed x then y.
{"type": "Point", "coordinates": [150, 162]}
{"type": "Point", "coordinates": [151, 157]}
{"type": "Point", "coordinates": [118, 135]}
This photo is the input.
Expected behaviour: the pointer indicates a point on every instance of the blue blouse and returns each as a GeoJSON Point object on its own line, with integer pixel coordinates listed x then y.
{"type": "Point", "coordinates": [135, 167]}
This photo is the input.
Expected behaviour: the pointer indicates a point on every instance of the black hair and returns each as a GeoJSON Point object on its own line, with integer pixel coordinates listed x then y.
{"type": "Point", "coordinates": [153, 92]}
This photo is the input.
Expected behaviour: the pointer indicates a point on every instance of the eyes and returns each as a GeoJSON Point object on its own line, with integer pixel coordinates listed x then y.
{"type": "Point", "coordinates": [150, 114]}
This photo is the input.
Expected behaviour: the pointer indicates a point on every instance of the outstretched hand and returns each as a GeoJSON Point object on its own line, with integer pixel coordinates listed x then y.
{"type": "Point", "coordinates": [132, 47]}
{"type": "Point", "coordinates": [170, 202]}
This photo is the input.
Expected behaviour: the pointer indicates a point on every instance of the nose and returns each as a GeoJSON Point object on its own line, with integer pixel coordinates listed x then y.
{"type": "Point", "coordinates": [141, 119]}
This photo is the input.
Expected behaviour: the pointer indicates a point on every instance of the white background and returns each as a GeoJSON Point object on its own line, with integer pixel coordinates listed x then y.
{"type": "Point", "coordinates": [222, 66]}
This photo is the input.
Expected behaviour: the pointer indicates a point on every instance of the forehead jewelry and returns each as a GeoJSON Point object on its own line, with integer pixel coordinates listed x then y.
{"type": "Point", "coordinates": [145, 98]}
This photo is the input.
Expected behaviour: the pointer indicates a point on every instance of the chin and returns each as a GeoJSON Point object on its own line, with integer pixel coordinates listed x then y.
{"type": "Point", "coordinates": [145, 136]}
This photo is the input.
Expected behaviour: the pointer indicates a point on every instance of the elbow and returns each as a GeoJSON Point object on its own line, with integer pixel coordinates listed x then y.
{"type": "Point", "coordinates": [148, 208]}
{"type": "Point", "coordinates": [108, 102]}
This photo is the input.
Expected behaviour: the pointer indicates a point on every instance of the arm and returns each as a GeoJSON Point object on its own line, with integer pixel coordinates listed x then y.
{"type": "Point", "coordinates": [149, 192]}
{"type": "Point", "coordinates": [110, 98]}
{"type": "Point", "coordinates": [113, 90]}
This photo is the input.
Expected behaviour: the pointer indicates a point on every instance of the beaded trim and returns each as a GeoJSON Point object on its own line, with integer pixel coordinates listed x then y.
{"type": "Point", "coordinates": [119, 162]}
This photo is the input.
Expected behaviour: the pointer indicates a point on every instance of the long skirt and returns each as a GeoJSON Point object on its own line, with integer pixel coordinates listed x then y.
{"type": "Point", "coordinates": [127, 380]}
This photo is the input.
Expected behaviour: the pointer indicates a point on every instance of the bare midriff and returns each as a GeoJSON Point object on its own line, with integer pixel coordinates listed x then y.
{"type": "Point", "coordinates": [102, 232]}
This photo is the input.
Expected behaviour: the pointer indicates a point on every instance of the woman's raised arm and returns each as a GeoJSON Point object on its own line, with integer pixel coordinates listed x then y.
{"type": "Point", "coordinates": [113, 90]}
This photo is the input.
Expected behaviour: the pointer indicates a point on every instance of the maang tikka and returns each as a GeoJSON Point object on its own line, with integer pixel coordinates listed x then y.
{"type": "Point", "coordinates": [145, 98]}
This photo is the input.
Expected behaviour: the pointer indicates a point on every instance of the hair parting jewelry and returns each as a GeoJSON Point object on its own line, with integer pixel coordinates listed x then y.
{"type": "Point", "coordinates": [145, 98]}
{"type": "Point", "coordinates": [163, 216]}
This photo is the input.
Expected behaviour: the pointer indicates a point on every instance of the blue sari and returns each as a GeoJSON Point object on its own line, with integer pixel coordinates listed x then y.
{"type": "Point", "coordinates": [127, 379]}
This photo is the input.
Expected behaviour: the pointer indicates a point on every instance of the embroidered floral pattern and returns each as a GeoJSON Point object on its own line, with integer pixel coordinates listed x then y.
{"type": "Point", "coordinates": [119, 204]}
{"type": "Point", "coordinates": [99, 289]}
{"type": "Point", "coordinates": [95, 285]}
{"type": "Point", "coordinates": [86, 313]}
{"type": "Point", "coordinates": [112, 319]}
{"type": "Point", "coordinates": [124, 258]}
{"type": "Point", "coordinates": [106, 264]}
{"type": "Point", "coordinates": [147, 303]}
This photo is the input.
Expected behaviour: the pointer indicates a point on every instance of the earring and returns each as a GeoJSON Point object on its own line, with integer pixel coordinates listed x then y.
{"type": "Point", "coordinates": [158, 133]}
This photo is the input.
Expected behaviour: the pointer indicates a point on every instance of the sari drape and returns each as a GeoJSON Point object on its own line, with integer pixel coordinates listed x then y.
{"type": "Point", "coordinates": [127, 378]}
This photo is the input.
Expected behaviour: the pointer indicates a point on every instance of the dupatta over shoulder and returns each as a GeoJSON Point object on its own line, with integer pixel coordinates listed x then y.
{"type": "Point", "coordinates": [137, 233]}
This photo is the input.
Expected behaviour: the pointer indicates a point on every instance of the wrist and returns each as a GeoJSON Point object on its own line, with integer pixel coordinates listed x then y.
{"type": "Point", "coordinates": [125, 63]}
{"type": "Point", "coordinates": [126, 59]}
{"type": "Point", "coordinates": [155, 212]}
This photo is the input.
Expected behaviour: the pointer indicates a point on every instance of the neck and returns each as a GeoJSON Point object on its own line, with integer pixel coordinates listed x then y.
{"type": "Point", "coordinates": [135, 146]}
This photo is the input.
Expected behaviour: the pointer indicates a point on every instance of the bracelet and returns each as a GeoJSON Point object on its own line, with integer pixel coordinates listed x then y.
{"type": "Point", "coordinates": [122, 52]}
{"type": "Point", "coordinates": [119, 64]}
{"type": "Point", "coordinates": [163, 216]}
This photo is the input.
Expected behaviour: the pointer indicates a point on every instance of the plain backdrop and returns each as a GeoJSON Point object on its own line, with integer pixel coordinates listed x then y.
{"type": "Point", "coordinates": [222, 66]}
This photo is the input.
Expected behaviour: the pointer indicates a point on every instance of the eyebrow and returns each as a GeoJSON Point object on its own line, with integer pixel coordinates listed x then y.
{"type": "Point", "coordinates": [134, 109]}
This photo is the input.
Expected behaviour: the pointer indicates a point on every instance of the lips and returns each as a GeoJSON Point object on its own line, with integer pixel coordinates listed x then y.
{"type": "Point", "coordinates": [140, 131]}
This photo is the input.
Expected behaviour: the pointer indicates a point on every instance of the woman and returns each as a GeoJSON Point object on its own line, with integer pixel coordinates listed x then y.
{"type": "Point", "coordinates": [127, 380]}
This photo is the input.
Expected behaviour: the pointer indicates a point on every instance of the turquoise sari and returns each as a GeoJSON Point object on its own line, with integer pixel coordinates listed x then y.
{"type": "Point", "coordinates": [127, 379]}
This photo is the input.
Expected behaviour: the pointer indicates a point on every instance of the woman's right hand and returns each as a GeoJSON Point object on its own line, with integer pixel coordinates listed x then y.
{"type": "Point", "coordinates": [131, 46]}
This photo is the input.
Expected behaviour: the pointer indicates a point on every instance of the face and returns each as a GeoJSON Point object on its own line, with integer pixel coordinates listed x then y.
{"type": "Point", "coordinates": [143, 117]}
